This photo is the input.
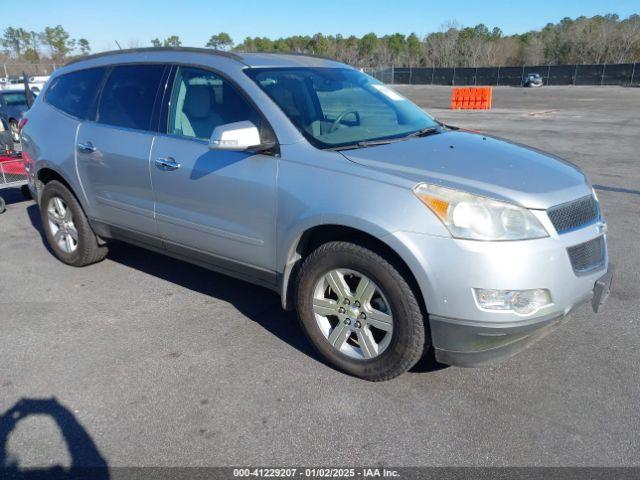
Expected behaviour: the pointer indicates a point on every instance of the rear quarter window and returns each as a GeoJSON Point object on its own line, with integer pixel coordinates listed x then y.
{"type": "Point", "coordinates": [75, 93]}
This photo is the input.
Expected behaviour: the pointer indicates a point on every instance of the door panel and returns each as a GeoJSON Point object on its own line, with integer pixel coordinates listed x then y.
{"type": "Point", "coordinates": [115, 176]}
{"type": "Point", "coordinates": [113, 152]}
{"type": "Point", "coordinates": [217, 202]}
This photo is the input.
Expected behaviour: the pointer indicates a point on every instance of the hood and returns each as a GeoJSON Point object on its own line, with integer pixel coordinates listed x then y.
{"type": "Point", "coordinates": [479, 164]}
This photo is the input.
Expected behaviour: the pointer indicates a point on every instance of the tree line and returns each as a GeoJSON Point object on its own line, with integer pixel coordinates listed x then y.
{"type": "Point", "coordinates": [599, 39]}
{"type": "Point", "coordinates": [595, 40]}
{"type": "Point", "coordinates": [53, 44]}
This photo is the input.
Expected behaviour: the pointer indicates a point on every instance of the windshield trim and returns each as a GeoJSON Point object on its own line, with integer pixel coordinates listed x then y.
{"type": "Point", "coordinates": [252, 72]}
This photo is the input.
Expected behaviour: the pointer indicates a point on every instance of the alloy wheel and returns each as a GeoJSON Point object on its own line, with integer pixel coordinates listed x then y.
{"type": "Point", "coordinates": [63, 230]}
{"type": "Point", "coordinates": [353, 313]}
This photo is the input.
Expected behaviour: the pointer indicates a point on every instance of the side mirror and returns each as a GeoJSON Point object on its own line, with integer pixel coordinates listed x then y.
{"type": "Point", "coordinates": [237, 136]}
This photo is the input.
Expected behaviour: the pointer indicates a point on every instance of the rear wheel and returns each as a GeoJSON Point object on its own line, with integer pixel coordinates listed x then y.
{"type": "Point", "coordinates": [359, 312]}
{"type": "Point", "coordinates": [2, 205]}
{"type": "Point", "coordinates": [67, 228]}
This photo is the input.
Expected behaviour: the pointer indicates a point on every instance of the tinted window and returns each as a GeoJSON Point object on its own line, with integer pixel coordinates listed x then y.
{"type": "Point", "coordinates": [75, 93]}
{"type": "Point", "coordinates": [202, 100]}
{"type": "Point", "coordinates": [15, 99]}
{"type": "Point", "coordinates": [128, 96]}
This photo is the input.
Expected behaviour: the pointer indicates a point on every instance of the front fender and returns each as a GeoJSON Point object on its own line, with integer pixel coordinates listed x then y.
{"type": "Point", "coordinates": [409, 253]}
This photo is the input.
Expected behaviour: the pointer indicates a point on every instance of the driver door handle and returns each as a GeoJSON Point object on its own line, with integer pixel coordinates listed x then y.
{"type": "Point", "coordinates": [167, 164]}
{"type": "Point", "coordinates": [86, 147]}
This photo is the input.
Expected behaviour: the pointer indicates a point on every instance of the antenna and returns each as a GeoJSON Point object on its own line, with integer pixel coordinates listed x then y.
{"type": "Point", "coordinates": [119, 47]}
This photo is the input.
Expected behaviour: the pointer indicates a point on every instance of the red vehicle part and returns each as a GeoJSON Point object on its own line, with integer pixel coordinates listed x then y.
{"type": "Point", "coordinates": [12, 164]}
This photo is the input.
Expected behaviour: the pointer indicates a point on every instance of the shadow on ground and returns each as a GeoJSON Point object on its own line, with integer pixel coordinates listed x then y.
{"type": "Point", "coordinates": [258, 304]}
{"type": "Point", "coordinates": [86, 460]}
{"type": "Point", "coordinates": [606, 188]}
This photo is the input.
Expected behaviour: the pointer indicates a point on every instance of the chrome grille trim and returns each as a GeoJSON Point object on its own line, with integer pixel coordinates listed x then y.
{"type": "Point", "coordinates": [588, 256]}
{"type": "Point", "coordinates": [575, 214]}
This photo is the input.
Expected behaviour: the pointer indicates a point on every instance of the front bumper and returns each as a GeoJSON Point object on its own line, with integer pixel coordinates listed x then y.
{"type": "Point", "coordinates": [448, 270]}
{"type": "Point", "coordinates": [475, 344]}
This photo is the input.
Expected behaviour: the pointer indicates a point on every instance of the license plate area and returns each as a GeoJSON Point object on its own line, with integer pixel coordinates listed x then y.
{"type": "Point", "coordinates": [601, 290]}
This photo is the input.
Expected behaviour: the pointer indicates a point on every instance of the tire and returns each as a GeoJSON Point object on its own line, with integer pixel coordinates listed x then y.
{"type": "Point", "coordinates": [85, 249]}
{"type": "Point", "coordinates": [13, 128]}
{"type": "Point", "coordinates": [2, 205]}
{"type": "Point", "coordinates": [407, 336]}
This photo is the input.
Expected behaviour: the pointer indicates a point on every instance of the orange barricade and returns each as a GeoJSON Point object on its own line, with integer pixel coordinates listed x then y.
{"type": "Point", "coordinates": [471, 98]}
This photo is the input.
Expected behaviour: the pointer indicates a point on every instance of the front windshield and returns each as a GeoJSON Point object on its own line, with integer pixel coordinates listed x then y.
{"type": "Point", "coordinates": [335, 107]}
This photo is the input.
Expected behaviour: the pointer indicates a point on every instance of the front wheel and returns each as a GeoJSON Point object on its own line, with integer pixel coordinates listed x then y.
{"type": "Point", "coordinates": [359, 312]}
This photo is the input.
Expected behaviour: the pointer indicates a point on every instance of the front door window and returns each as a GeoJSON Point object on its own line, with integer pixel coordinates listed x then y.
{"type": "Point", "coordinates": [202, 101]}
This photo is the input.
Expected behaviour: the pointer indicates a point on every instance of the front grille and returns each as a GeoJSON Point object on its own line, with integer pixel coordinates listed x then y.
{"type": "Point", "coordinates": [587, 256]}
{"type": "Point", "coordinates": [575, 214]}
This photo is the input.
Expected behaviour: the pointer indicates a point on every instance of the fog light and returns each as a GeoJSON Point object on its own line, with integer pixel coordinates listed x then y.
{"type": "Point", "coordinates": [520, 301]}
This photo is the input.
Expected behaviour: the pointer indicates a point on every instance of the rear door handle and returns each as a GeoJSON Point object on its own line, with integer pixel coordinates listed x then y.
{"type": "Point", "coordinates": [86, 147]}
{"type": "Point", "coordinates": [167, 164]}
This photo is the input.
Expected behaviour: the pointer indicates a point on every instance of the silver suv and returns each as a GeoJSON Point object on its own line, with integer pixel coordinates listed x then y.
{"type": "Point", "coordinates": [393, 235]}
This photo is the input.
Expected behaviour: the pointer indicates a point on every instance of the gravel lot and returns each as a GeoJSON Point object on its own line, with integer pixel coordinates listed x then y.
{"type": "Point", "coordinates": [164, 363]}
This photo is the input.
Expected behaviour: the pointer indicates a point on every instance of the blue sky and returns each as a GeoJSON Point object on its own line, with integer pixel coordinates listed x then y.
{"type": "Point", "coordinates": [136, 22]}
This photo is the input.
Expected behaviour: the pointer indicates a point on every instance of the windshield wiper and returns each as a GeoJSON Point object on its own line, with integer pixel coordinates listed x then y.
{"type": "Point", "coordinates": [373, 143]}
{"type": "Point", "coordinates": [385, 141]}
{"type": "Point", "coordinates": [365, 143]}
{"type": "Point", "coordinates": [424, 132]}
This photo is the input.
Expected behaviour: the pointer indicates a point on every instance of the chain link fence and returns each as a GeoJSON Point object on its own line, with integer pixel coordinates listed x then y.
{"type": "Point", "coordinates": [624, 74]}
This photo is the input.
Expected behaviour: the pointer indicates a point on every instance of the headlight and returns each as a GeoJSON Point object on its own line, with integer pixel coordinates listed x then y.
{"type": "Point", "coordinates": [479, 218]}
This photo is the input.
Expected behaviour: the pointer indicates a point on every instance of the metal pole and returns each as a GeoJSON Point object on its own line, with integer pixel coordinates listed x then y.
{"type": "Point", "coordinates": [498, 77]}
{"type": "Point", "coordinates": [453, 79]}
{"type": "Point", "coordinates": [410, 75]}
{"type": "Point", "coordinates": [393, 75]}
{"type": "Point", "coordinates": [633, 72]}
{"type": "Point", "coordinates": [475, 78]}
{"type": "Point", "coordinates": [433, 72]}
{"type": "Point", "coordinates": [575, 75]}
{"type": "Point", "coordinates": [604, 65]}
{"type": "Point", "coordinates": [548, 74]}
{"type": "Point", "coordinates": [522, 76]}
{"type": "Point", "coordinates": [5, 70]}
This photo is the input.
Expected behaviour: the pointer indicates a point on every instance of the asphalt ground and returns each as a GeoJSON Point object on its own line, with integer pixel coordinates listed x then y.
{"type": "Point", "coordinates": [146, 361]}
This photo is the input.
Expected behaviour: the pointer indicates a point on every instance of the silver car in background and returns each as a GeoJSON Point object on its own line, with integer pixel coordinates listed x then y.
{"type": "Point", "coordinates": [393, 235]}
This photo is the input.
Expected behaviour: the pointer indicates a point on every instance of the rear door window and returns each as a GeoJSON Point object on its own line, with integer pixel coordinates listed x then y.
{"type": "Point", "coordinates": [75, 93]}
{"type": "Point", "coordinates": [129, 96]}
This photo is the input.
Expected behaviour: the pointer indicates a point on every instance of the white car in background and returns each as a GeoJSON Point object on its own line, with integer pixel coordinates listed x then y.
{"type": "Point", "coordinates": [36, 83]}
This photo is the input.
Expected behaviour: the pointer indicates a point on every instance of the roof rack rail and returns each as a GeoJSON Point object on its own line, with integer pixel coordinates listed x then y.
{"type": "Point", "coordinates": [158, 49]}
{"type": "Point", "coordinates": [299, 54]}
